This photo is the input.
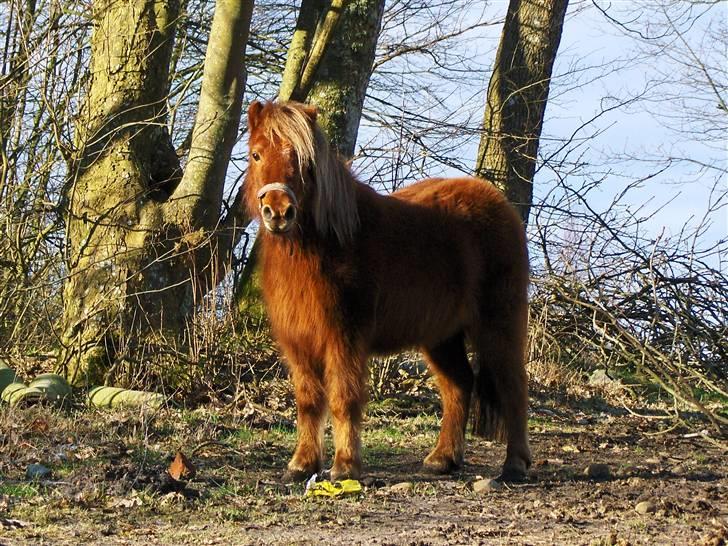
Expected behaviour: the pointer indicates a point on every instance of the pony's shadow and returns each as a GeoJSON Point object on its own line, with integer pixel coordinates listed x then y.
{"type": "Point", "coordinates": [382, 467]}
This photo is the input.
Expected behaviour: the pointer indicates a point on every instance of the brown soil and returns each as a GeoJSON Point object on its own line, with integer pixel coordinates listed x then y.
{"type": "Point", "coordinates": [109, 484]}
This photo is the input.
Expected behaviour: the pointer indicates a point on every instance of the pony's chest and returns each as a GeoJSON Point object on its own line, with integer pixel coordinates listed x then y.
{"type": "Point", "coordinates": [300, 297]}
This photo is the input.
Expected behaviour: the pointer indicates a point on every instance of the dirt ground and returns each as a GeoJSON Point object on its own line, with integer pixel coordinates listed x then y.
{"type": "Point", "coordinates": [108, 482]}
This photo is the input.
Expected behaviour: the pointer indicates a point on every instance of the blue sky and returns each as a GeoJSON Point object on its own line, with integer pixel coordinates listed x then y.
{"type": "Point", "coordinates": [599, 65]}
{"type": "Point", "coordinates": [641, 133]}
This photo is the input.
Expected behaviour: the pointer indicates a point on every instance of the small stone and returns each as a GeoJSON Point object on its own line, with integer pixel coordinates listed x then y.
{"type": "Point", "coordinates": [599, 378]}
{"type": "Point", "coordinates": [484, 486]}
{"type": "Point", "coordinates": [373, 482]}
{"type": "Point", "coordinates": [598, 471]}
{"type": "Point", "coordinates": [646, 507]}
{"type": "Point", "coordinates": [402, 487]}
{"type": "Point", "coordinates": [652, 460]}
{"type": "Point", "coordinates": [37, 472]}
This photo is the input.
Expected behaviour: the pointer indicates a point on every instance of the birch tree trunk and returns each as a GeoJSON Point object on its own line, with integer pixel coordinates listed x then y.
{"type": "Point", "coordinates": [517, 96]}
{"type": "Point", "coordinates": [141, 238]}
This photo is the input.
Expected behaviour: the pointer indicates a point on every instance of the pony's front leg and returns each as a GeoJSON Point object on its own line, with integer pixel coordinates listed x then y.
{"type": "Point", "coordinates": [346, 379]}
{"type": "Point", "coordinates": [311, 410]}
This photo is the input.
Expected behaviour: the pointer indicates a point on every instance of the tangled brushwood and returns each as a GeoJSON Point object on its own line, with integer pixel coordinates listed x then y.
{"type": "Point", "coordinates": [654, 310]}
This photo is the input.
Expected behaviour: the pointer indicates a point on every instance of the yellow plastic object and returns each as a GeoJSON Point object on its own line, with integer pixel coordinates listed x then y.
{"type": "Point", "coordinates": [336, 489]}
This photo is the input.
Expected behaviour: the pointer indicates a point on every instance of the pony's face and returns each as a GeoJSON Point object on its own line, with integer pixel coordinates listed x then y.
{"type": "Point", "coordinates": [275, 179]}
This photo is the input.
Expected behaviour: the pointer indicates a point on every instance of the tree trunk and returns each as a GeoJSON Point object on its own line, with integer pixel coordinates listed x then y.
{"type": "Point", "coordinates": [517, 95]}
{"type": "Point", "coordinates": [330, 61]}
{"type": "Point", "coordinates": [331, 69]}
{"type": "Point", "coordinates": [343, 75]}
{"type": "Point", "coordinates": [140, 237]}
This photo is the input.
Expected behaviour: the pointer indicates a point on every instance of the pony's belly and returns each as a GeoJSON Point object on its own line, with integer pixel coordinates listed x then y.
{"type": "Point", "coordinates": [421, 329]}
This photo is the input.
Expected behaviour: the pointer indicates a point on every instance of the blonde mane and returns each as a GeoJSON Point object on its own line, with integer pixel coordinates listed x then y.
{"type": "Point", "coordinates": [335, 209]}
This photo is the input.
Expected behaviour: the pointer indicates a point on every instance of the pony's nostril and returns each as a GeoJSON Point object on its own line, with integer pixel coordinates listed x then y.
{"type": "Point", "coordinates": [290, 213]}
{"type": "Point", "coordinates": [267, 212]}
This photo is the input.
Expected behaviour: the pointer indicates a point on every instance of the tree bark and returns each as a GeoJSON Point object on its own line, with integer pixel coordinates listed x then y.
{"type": "Point", "coordinates": [330, 62]}
{"type": "Point", "coordinates": [343, 74]}
{"type": "Point", "coordinates": [517, 96]}
{"type": "Point", "coordinates": [299, 51]}
{"type": "Point", "coordinates": [140, 233]}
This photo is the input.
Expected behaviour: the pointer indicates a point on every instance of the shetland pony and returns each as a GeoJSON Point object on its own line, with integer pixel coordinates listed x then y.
{"type": "Point", "coordinates": [347, 272]}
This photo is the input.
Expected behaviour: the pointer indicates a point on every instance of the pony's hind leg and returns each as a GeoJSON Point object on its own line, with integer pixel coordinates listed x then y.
{"type": "Point", "coordinates": [500, 409]}
{"type": "Point", "coordinates": [311, 412]}
{"type": "Point", "coordinates": [449, 362]}
{"type": "Point", "coordinates": [346, 377]}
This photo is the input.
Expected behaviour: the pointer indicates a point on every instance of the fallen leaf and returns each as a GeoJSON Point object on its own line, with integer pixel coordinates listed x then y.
{"type": "Point", "coordinates": [181, 468]}
{"type": "Point", "coordinates": [39, 425]}
{"type": "Point", "coordinates": [171, 498]}
{"type": "Point", "coordinates": [129, 502]}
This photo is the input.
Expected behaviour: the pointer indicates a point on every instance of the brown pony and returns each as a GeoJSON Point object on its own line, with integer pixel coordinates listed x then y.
{"type": "Point", "coordinates": [348, 272]}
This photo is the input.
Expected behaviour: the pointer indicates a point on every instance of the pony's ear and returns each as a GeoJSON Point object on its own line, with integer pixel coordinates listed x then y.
{"type": "Point", "coordinates": [254, 114]}
{"type": "Point", "coordinates": [310, 111]}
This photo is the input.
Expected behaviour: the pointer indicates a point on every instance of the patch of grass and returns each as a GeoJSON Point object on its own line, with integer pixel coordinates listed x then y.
{"type": "Point", "coordinates": [710, 396]}
{"type": "Point", "coordinates": [426, 489]}
{"type": "Point", "coordinates": [143, 456]}
{"type": "Point", "coordinates": [232, 514]}
{"type": "Point", "coordinates": [280, 434]}
{"type": "Point", "coordinates": [231, 489]}
{"type": "Point", "coordinates": [68, 467]}
{"type": "Point", "coordinates": [200, 417]}
{"type": "Point", "coordinates": [374, 454]}
{"type": "Point", "coordinates": [701, 458]}
{"type": "Point", "coordinates": [243, 434]}
{"type": "Point", "coordinates": [19, 490]}
{"type": "Point", "coordinates": [391, 432]}
{"type": "Point", "coordinates": [544, 423]}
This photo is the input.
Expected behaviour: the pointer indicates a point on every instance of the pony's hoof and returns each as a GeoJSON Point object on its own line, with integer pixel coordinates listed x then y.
{"type": "Point", "coordinates": [338, 474]}
{"type": "Point", "coordinates": [293, 475]}
{"type": "Point", "coordinates": [440, 464]}
{"type": "Point", "coordinates": [513, 473]}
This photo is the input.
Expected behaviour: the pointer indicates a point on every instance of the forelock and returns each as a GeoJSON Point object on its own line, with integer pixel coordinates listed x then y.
{"type": "Point", "coordinates": [288, 124]}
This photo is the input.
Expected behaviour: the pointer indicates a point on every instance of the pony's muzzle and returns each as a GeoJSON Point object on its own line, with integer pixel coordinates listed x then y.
{"type": "Point", "coordinates": [277, 207]}
{"type": "Point", "coordinates": [278, 219]}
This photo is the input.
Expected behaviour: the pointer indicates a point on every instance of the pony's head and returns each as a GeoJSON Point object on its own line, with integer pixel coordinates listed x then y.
{"type": "Point", "coordinates": [293, 176]}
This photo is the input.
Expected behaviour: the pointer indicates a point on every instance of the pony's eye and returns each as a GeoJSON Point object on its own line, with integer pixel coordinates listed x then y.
{"type": "Point", "coordinates": [256, 156]}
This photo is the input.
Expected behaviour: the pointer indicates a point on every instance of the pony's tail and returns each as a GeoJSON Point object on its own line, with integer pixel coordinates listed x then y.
{"type": "Point", "coordinates": [487, 409]}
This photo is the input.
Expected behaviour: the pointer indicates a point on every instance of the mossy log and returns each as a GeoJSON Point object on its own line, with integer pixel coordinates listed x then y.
{"type": "Point", "coordinates": [115, 397]}
{"type": "Point", "coordinates": [47, 387]}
